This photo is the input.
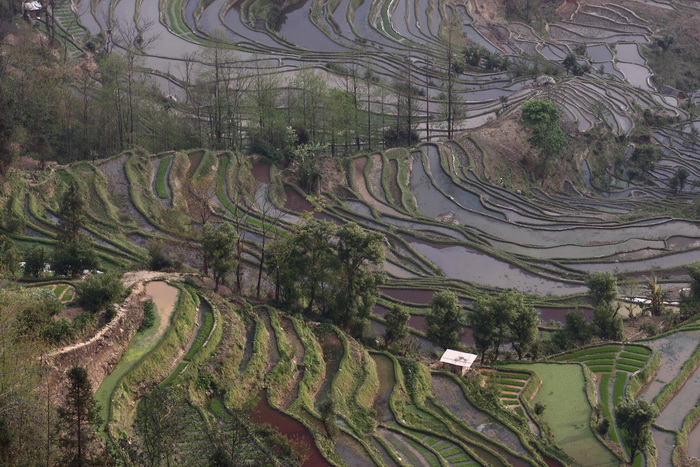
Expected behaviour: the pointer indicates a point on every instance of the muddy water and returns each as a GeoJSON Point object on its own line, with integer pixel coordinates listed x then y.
{"type": "Point", "coordinates": [261, 172]}
{"type": "Point", "coordinates": [164, 296]}
{"type": "Point", "coordinates": [464, 197]}
{"type": "Point", "coordinates": [289, 427]}
{"type": "Point", "coordinates": [409, 295]}
{"type": "Point", "coordinates": [448, 394]}
{"type": "Point", "coordinates": [385, 372]}
{"type": "Point", "coordinates": [297, 28]}
{"type": "Point", "coordinates": [675, 411]}
{"type": "Point", "coordinates": [459, 262]}
{"type": "Point", "coordinates": [694, 442]}
{"type": "Point", "coordinates": [352, 452]}
{"type": "Point", "coordinates": [665, 442]}
{"type": "Point", "coordinates": [673, 351]}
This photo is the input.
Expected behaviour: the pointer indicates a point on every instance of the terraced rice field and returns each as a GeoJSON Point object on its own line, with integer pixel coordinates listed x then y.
{"type": "Point", "coordinates": [568, 411]}
{"type": "Point", "coordinates": [449, 222]}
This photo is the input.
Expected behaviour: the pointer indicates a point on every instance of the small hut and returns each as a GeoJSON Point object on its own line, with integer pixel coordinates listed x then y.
{"type": "Point", "coordinates": [457, 362]}
{"type": "Point", "coordinates": [32, 10]}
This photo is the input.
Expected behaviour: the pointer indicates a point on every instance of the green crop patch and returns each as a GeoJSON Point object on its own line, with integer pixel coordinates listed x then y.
{"type": "Point", "coordinates": [597, 363]}
{"type": "Point", "coordinates": [568, 412]}
{"type": "Point", "coordinates": [633, 363]}
{"type": "Point", "coordinates": [160, 177]}
{"type": "Point", "coordinates": [637, 350]}
{"type": "Point", "coordinates": [631, 369]}
{"type": "Point", "coordinates": [634, 356]}
{"type": "Point", "coordinates": [619, 387]}
{"type": "Point", "coordinates": [601, 369]}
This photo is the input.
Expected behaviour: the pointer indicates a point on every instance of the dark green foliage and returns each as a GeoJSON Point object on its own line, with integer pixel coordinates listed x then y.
{"type": "Point", "coordinates": [478, 56]}
{"type": "Point", "coordinates": [576, 332]}
{"type": "Point", "coordinates": [158, 259]}
{"type": "Point", "coordinates": [77, 418]}
{"type": "Point", "coordinates": [539, 408]}
{"type": "Point", "coordinates": [219, 245]}
{"type": "Point", "coordinates": [72, 214]}
{"type": "Point", "coordinates": [328, 412]}
{"type": "Point", "coordinates": [35, 261]}
{"type": "Point", "coordinates": [326, 269]}
{"type": "Point", "coordinates": [149, 315]}
{"type": "Point", "coordinates": [9, 257]}
{"type": "Point", "coordinates": [643, 160]}
{"type": "Point", "coordinates": [501, 318]}
{"type": "Point", "coordinates": [396, 324]}
{"type": "Point", "coordinates": [74, 257]}
{"type": "Point", "coordinates": [98, 292]}
{"type": "Point", "coordinates": [402, 138]}
{"type": "Point", "coordinates": [445, 320]}
{"type": "Point", "coordinates": [602, 286]}
{"type": "Point", "coordinates": [542, 117]}
{"type": "Point", "coordinates": [603, 427]}
{"type": "Point", "coordinates": [11, 220]}
{"type": "Point", "coordinates": [607, 323]}
{"type": "Point", "coordinates": [636, 417]}
{"type": "Point", "coordinates": [677, 182]}
{"type": "Point", "coordinates": [690, 302]}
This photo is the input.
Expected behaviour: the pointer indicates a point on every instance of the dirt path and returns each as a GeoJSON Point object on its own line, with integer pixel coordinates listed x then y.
{"type": "Point", "coordinates": [134, 280]}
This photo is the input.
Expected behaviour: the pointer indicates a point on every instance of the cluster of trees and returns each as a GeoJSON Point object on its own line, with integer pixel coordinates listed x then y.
{"type": "Point", "coordinates": [327, 270]}
{"type": "Point", "coordinates": [504, 318]}
{"type": "Point", "coordinates": [479, 56]}
{"type": "Point", "coordinates": [571, 65]}
{"type": "Point", "coordinates": [606, 323]}
{"type": "Point", "coordinates": [542, 117]}
{"type": "Point", "coordinates": [643, 160]}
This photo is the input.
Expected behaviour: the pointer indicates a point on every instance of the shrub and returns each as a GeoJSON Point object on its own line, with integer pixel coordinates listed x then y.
{"type": "Point", "coordinates": [603, 427]}
{"type": "Point", "coordinates": [97, 292]}
{"type": "Point", "coordinates": [149, 315]}
{"type": "Point", "coordinates": [540, 408]}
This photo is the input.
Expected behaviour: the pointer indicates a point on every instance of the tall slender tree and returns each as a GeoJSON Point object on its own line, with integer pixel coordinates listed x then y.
{"type": "Point", "coordinates": [77, 419]}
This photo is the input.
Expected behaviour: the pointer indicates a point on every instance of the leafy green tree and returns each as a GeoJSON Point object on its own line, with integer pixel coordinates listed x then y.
{"type": "Point", "coordinates": [607, 323]}
{"type": "Point", "coordinates": [74, 257]}
{"type": "Point", "coordinates": [576, 332]}
{"type": "Point", "coordinates": [445, 319]}
{"type": "Point", "coordinates": [9, 258]}
{"type": "Point", "coordinates": [542, 117]}
{"type": "Point", "coordinates": [71, 211]}
{"type": "Point", "coordinates": [482, 320]}
{"type": "Point", "coordinates": [396, 324]}
{"type": "Point", "coordinates": [677, 182]}
{"type": "Point", "coordinates": [524, 329]}
{"type": "Point", "coordinates": [313, 259]}
{"type": "Point", "coordinates": [504, 317]}
{"type": "Point", "coordinates": [602, 286]}
{"type": "Point", "coordinates": [99, 291]}
{"type": "Point", "coordinates": [636, 418]}
{"type": "Point", "coordinates": [690, 302]}
{"type": "Point", "coordinates": [35, 261]}
{"type": "Point", "coordinates": [77, 419]}
{"type": "Point", "coordinates": [360, 255]}
{"type": "Point", "coordinates": [219, 245]}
